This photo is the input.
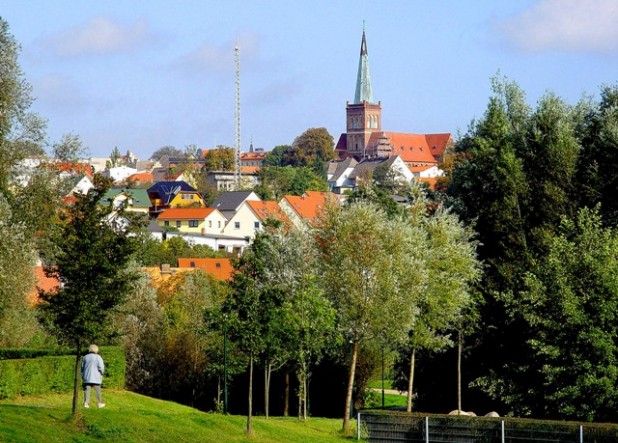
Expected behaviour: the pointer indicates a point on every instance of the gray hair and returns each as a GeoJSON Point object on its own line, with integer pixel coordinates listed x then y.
{"type": "Point", "coordinates": [94, 349]}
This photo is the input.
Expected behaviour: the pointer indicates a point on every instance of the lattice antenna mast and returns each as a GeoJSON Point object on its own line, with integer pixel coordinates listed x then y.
{"type": "Point", "coordinates": [237, 122]}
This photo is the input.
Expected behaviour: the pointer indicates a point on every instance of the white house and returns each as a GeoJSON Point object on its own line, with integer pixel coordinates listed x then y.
{"type": "Point", "coordinates": [251, 216]}
{"type": "Point", "coordinates": [119, 173]}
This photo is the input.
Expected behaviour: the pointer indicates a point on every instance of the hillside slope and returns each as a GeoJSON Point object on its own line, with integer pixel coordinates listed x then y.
{"type": "Point", "coordinates": [130, 417]}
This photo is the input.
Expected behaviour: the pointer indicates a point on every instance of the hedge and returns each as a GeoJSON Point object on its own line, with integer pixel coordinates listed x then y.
{"type": "Point", "coordinates": [40, 375]}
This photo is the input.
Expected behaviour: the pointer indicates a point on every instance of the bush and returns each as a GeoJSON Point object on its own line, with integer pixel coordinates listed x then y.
{"type": "Point", "coordinates": [33, 374]}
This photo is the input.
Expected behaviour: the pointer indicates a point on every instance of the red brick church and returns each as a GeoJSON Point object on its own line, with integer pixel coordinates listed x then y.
{"type": "Point", "coordinates": [365, 139]}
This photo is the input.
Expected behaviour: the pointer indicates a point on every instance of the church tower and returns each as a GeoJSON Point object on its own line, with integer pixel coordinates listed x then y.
{"type": "Point", "coordinates": [363, 115]}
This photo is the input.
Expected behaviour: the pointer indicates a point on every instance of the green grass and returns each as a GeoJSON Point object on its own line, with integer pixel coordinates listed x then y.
{"type": "Point", "coordinates": [374, 400]}
{"type": "Point", "coordinates": [130, 417]}
{"type": "Point", "coordinates": [377, 384]}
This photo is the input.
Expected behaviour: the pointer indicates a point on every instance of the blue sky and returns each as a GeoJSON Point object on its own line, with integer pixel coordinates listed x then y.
{"type": "Point", "coordinates": [142, 74]}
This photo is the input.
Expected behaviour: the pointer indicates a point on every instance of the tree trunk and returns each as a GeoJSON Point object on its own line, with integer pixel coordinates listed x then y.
{"type": "Point", "coordinates": [459, 351]}
{"type": "Point", "coordinates": [348, 398]}
{"type": "Point", "coordinates": [250, 408]}
{"type": "Point", "coordinates": [267, 374]}
{"type": "Point", "coordinates": [76, 378]}
{"type": "Point", "coordinates": [286, 395]}
{"type": "Point", "coordinates": [411, 380]}
{"type": "Point", "coordinates": [304, 392]}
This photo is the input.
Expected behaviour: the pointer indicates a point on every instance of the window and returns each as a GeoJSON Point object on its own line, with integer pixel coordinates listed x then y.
{"type": "Point", "coordinates": [219, 224]}
{"type": "Point", "coordinates": [217, 265]}
{"type": "Point", "coordinates": [187, 196]}
{"type": "Point", "coordinates": [192, 264]}
{"type": "Point", "coordinates": [166, 223]}
{"type": "Point", "coordinates": [210, 223]}
{"type": "Point", "coordinates": [193, 223]}
{"type": "Point", "coordinates": [256, 225]}
{"type": "Point", "coordinates": [236, 225]}
{"type": "Point", "coordinates": [178, 223]}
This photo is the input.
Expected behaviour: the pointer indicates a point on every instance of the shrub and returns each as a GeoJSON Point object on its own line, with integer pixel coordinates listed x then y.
{"type": "Point", "coordinates": [33, 374]}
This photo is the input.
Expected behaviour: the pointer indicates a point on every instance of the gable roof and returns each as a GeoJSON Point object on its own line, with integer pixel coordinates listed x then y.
{"type": "Point", "coordinates": [186, 213]}
{"type": "Point", "coordinates": [219, 268]}
{"type": "Point", "coordinates": [342, 166]}
{"type": "Point", "coordinates": [368, 165]}
{"type": "Point", "coordinates": [267, 209]}
{"type": "Point", "coordinates": [308, 205]}
{"type": "Point", "coordinates": [167, 190]}
{"type": "Point", "coordinates": [230, 200]}
{"type": "Point", "coordinates": [139, 196]}
{"type": "Point", "coordinates": [410, 147]}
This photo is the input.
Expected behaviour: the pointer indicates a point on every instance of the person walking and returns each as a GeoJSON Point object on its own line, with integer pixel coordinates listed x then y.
{"type": "Point", "coordinates": [92, 375]}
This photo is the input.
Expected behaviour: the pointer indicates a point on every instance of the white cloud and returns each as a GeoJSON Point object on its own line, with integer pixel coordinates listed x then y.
{"type": "Point", "coordinates": [565, 25]}
{"type": "Point", "coordinates": [100, 35]}
{"type": "Point", "coordinates": [209, 58]}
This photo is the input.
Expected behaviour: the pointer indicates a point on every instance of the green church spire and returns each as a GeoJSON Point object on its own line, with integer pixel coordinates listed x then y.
{"type": "Point", "coordinates": [363, 79]}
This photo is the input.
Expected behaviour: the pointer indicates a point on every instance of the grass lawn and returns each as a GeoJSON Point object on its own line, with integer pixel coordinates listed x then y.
{"type": "Point", "coordinates": [130, 417]}
{"type": "Point", "coordinates": [377, 384]}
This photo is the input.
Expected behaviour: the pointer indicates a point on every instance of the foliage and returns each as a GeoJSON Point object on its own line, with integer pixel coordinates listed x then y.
{"type": "Point", "coordinates": [275, 182]}
{"type": "Point", "coordinates": [311, 149]}
{"type": "Point", "coordinates": [170, 151]}
{"type": "Point", "coordinates": [570, 303]}
{"type": "Point", "coordinates": [220, 159]}
{"type": "Point", "coordinates": [21, 132]}
{"type": "Point", "coordinates": [18, 327]}
{"type": "Point", "coordinates": [152, 252]}
{"type": "Point", "coordinates": [69, 148]}
{"type": "Point", "coordinates": [39, 375]}
{"type": "Point", "coordinates": [275, 157]}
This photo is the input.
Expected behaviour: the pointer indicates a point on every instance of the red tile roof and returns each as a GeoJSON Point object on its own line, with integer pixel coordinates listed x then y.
{"type": "Point", "coordinates": [309, 205]}
{"type": "Point", "coordinates": [249, 169]}
{"type": "Point", "coordinates": [246, 156]}
{"type": "Point", "coordinates": [219, 268]}
{"type": "Point", "coordinates": [420, 168]}
{"type": "Point", "coordinates": [141, 177]}
{"type": "Point", "coordinates": [431, 181]}
{"type": "Point", "coordinates": [186, 213]}
{"type": "Point", "coordinates": [412, 148]}
{"type": "Point", "coordinates": [268, 209]}
{"type": "Point", "coordinates": [42, 282]}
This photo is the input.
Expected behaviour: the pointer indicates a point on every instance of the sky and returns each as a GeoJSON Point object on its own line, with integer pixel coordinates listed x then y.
{"type": "Point", "coordinates": [143, 74]}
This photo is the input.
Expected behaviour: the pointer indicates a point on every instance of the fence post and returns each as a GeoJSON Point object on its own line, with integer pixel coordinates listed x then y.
{"type": "Point", "coordinates": [581, 434]}
{"type": "Point", "coordinates": [426, 429]}
{"type": "Point", "coordinates": [502, 426]}
{"type": "Point", "coordinates": [358, 426]}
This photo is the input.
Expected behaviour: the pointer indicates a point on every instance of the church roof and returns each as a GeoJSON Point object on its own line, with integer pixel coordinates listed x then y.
{"type": "Point", "coordinates": [364, 92]}
{"type": "Point", "coordinates": [410, 147]}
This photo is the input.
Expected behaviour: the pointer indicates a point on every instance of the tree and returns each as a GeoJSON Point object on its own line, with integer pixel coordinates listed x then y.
{"type": "Point", "coordinates": [365, 262]}
{"type": "Point", "coordinates": [170, 151]}
{"type": "Point", "coordinates": [220, 159]}
{"type": "Point", "coordinates": [17, 260]}
{"type": "Point", "coordinates": [69, 148]}
{"type": "Point", "coordinates": [275, 182]}
{"type": "Point", "coordinates": [115, 159]}
{"type": "Point", "coordinates": [275, 157]}
{"type": "Point", "coordinates": [571, 302]}
{"type": "Point", "coordinates": [21, 132]}
{"type": "Point", "coordinates": [94, 250]}
{"type": "Point", "coordinates": [312, 148]}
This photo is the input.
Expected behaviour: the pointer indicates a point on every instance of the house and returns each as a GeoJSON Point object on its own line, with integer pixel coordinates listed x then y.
{"type": "Point", "coordinates": [219, 268]}
{"type": "Point", "coordinates": [133, 200]}
{"type": "Point", "coordinates": [80, 185]}
{"type": "Point", "coordinates": [365, 170]}
{"type": "Point", "coordinates": [338, 175]}
{"type": "Point", "coordinates": [250, 218]}
{"type": "Point", "coordinates": [229, 202]}
{"type": "Point", "coordinates": [119, 173]}
{"type": "Point", "coordinates": [140, 178]}
{"type": "Point", "coordinates": [426, 171]}
{"type": "Point", "coordinates": [41, 283]}
{"type": "Point", "coordinates": [172, 194]}
{"type": "Point", "coordinates": [193, 220]}
{"type": "Point", "coordinates": [224, 180]}
{"type": "Point", "coordinates": [305, 209]}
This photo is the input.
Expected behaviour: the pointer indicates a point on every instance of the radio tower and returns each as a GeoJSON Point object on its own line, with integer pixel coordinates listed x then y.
{"type": "Point", "coordinates": [237, 122]}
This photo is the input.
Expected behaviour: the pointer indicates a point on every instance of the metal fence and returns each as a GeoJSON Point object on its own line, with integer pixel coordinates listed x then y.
{"type": "Point", "coordinates": [391, 428]}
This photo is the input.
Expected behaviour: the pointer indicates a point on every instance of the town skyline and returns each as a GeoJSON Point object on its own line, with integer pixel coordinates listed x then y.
{"type": "Point", "coordinates": [141, 76]}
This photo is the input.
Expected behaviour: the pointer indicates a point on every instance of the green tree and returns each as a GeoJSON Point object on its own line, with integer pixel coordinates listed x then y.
{"type": "Point", "coordinates": [312, 148]}
{"type": "Point", "coordinates": [365, 262]}
{"type": "Point", "coordinates": [220, 159]}
{"type": "Point", "coordinates": [570, 302]}
{"type": "Point", "coordinates": [275, 182]}
{"type": "Point", "coordinates": [69, 148]}
{"type": "Point", "coordinates": [17, 260]}
{"type": "Point", "coordinates": [94, 250]}
{"type": "Point", "coordinates": [115, 159]}
{"type": "Point", "coordinates": [170, 151]}
{"type": "Point", "coordinates": [275, 157]}
{"type": "Point", "coordinates": [21, 132]}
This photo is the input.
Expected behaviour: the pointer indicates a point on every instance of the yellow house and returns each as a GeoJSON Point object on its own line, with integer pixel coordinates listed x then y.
{"type": "Point", "coordinates": [204, 221]}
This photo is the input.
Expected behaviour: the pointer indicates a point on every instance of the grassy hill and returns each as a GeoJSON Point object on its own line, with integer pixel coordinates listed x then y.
{"type": "Point", "coordinates": [130, 417]}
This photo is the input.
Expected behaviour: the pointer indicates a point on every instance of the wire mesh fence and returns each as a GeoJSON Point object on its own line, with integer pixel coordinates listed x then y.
{"type": "Point", "coordinates": [397, 427]}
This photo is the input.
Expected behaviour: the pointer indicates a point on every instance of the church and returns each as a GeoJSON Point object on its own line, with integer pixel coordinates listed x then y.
{"type": "Point", "coordinates": [364, 138]}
